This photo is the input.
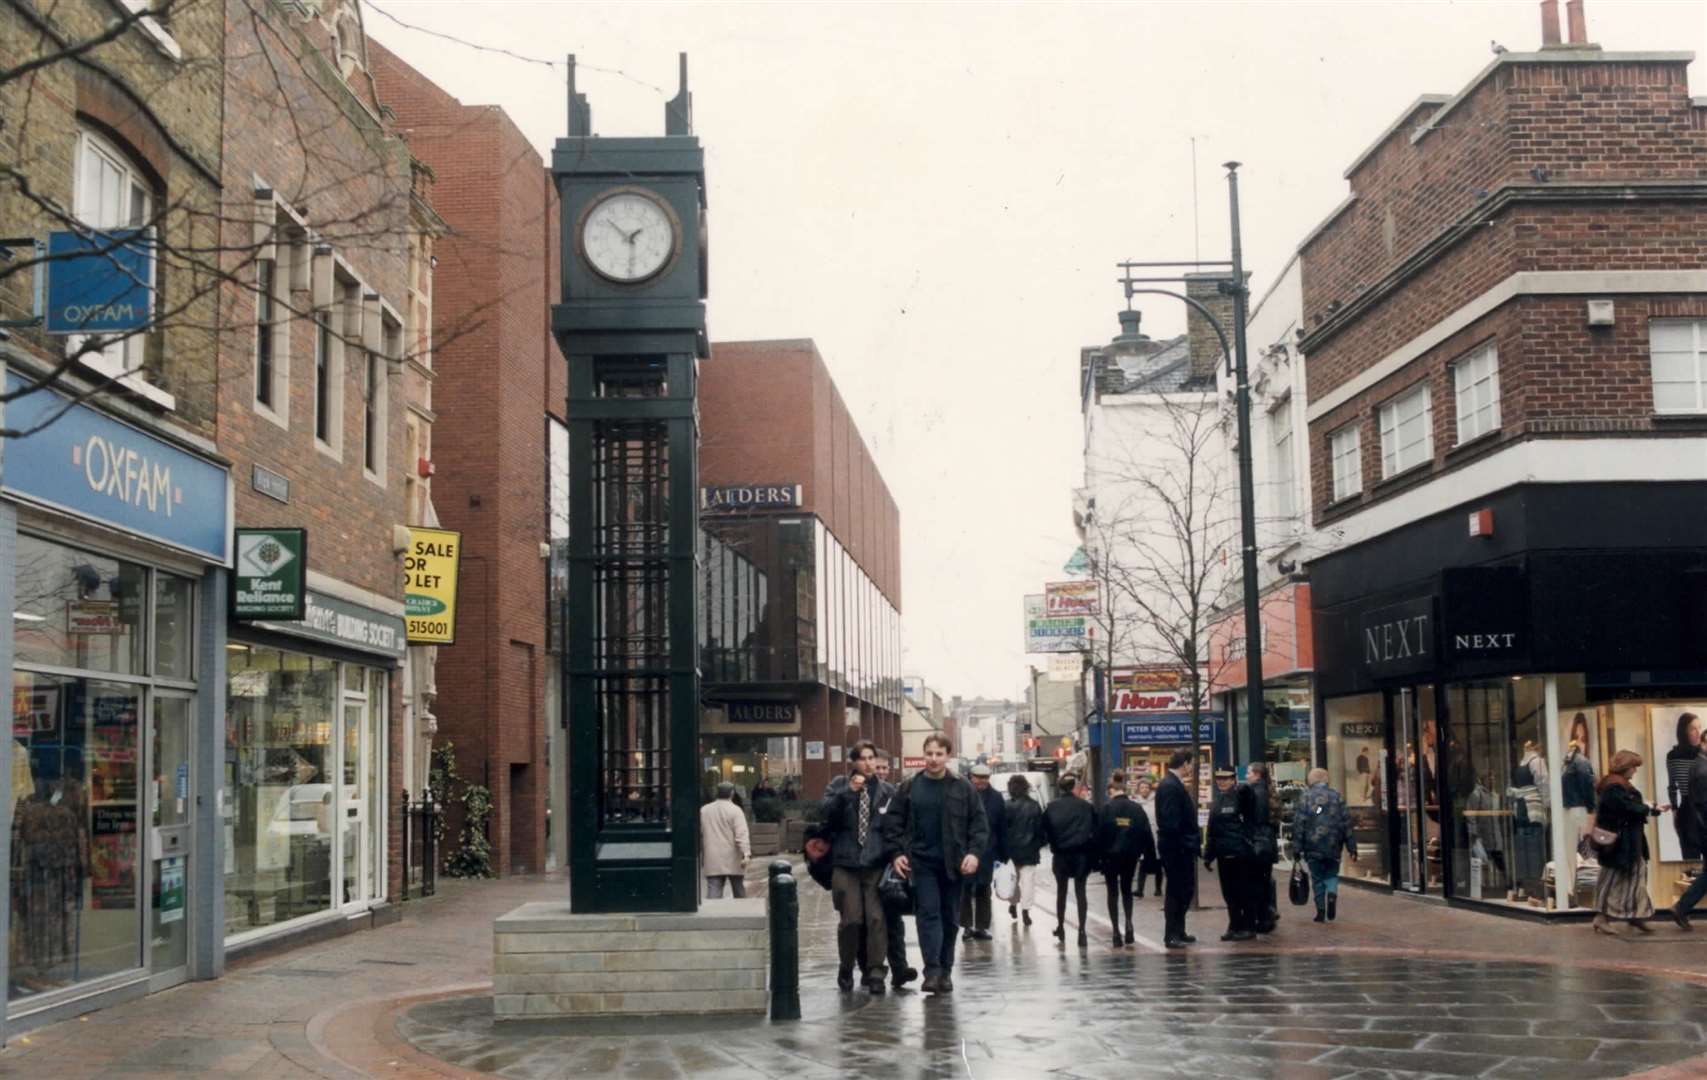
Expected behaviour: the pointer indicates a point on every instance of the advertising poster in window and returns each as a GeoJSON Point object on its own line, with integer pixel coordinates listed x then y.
{"type": "Point", "coordinates": [112, 857]}
{"type": "Point", "coordinates": [1667, 734]}
{"type": "Point", "coordinates": [35, 712]}
{"type": "Point", "coordinates": [1580, 724]}
{"type": "Point", "coordinates": [112, 750]}
{"type": "Point", "coordinates": [169, 905]}
{"type": "Point", "coordinates": [1365, 753]}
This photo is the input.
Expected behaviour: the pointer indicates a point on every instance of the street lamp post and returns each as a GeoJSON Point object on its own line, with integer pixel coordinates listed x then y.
{"type": "Point", "coordinates": [1234, 287]}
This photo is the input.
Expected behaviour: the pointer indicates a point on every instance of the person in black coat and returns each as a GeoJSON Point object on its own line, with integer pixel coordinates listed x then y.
{"type": "Point", "coordinates": [1178, 841]}
{"type": "Point", "coordinates": [1232, 827]}
{"type": "Point", "coordinates": [1022, 831]}
{"type": "Point", "coordinates": [975, 895]}
{"type": "Point", "coordinates": [1622, 889]}
{"type": "Point", "coordinates": [1070, 827]}
{"type": "Point", "coordinates": [1124, 840]}
{"type": "Point", "coordinates": [1265, 840]}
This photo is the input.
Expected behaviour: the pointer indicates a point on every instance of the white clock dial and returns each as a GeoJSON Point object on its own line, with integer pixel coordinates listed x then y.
{"type": "Point", "coordinates": [628, 236]}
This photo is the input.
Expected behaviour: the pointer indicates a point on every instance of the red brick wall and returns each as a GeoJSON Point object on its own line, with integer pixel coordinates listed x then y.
{"type": "Point", "coordinates": [497, 375]}
{"type": "Point", "coordinates": [1577, 122]}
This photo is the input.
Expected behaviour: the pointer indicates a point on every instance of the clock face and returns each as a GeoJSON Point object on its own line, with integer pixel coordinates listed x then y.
{"type": "Point", "coordinates": [629, 236]}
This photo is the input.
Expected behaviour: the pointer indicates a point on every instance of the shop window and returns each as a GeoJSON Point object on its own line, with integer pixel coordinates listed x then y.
{"type": "Point", "coordinates": [1476, 381]}
{"type": "Point", "coordinates": [174, 627]}
{"type": "Point", "coordinates": [1345, 451]}
{"type": "Point", "coordinates": [112, 193]}
{"type": "Point", "coordinates": [1407, 431]}
{"type": "Point", "coordinates": [266, 282]}
{"type": "Point", "coordinates": [75, 892]}
{"type": "Point", "coordinates": [1357, 768]}
{"type": "Point", "coordinates": [1678, 348]}
{"type": "Point", "coordinates": [77, 609]}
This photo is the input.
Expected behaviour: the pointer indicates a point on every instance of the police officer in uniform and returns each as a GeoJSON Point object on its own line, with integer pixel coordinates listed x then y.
{"type": "Point", "coordinates": [1232, 829]}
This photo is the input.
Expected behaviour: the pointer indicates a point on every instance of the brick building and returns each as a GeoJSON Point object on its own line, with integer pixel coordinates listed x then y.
{"type": "Point", "coordinates": [114, 527]}
{"type": "Point", "coordinates": [801, 574]}
{"type": "Point", "coordinates": [326, 237]}
{"type": "Point", "coordinates": [1505, 326]}
{"type": "Point", "coordinates": [499, 378]}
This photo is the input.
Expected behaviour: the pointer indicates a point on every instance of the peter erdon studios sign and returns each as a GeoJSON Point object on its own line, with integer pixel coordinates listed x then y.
{"type": "Point", "coordinates": [268, 576]}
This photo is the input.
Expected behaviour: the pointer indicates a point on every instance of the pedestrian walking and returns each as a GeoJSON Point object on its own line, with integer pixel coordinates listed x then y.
{"type": "Point", "coordinates": [975, 894]}
{"type": "Point", "coordinates": [1023, 829]}
{"type": "Point", "coordinates": [1232, 821]}
{"type": "Point", "coordinates": [1124, 840]}
{"type": "Point", "coordinates": [1178, 841]}
{"type": "Point", "coordinates": [854, 806]}
{"type": "Point", "coordinates": [894, 922]}
{"type": "Point", "coordinates": [1070, 830]}
{"type": "Point", "coordinates": [1321, 828]}
{"type": "Point", "coordinates": [1152, 866]}
{"type": "Point", "coordinates": [934, 827]}
{"type": "Point", "coordinates": [1265, 840]}
{"type": "Point", "coordinates": [724, 844]}
{"type": "Point", "coordinates": [1622, 891]}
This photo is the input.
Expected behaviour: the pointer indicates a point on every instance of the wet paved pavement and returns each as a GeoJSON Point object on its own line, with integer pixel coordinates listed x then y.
{"type": "Point", "coordinates": [1359, 998]}
{"type": "Point", "coordinates": [1026, 1006]}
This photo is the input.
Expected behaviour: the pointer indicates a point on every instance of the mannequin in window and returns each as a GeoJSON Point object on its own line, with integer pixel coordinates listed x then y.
{"type": "Point", "coordinates": [1529, 826]}
{"type": "Point", "coordinates": [1487, 836]}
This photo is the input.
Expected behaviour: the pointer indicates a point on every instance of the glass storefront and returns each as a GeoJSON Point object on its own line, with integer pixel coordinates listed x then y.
{"type": "Point", "coordinates": [304, 767]}
{"type": "Point", "coordinates": [1357, 767]}
{"type": "Point", "coordinates": [104, 670]}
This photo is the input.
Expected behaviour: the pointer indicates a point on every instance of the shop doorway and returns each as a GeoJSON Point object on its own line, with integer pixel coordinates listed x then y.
{"type": "Point", "coordinates": [169, 837]}
{"type": "Point", "coordinates": [1416, 732]}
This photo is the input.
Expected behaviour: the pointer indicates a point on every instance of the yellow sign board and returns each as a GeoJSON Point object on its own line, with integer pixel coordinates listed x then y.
{"type": "Point", "coordinates": [429, 586]}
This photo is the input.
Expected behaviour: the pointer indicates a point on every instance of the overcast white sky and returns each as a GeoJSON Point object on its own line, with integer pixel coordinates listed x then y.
{"type": "Point", "coordinates": [937, 194]}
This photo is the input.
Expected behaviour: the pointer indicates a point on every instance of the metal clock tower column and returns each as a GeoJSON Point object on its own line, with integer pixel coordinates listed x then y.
{"type": "Point", "coordinates": [631, 325]}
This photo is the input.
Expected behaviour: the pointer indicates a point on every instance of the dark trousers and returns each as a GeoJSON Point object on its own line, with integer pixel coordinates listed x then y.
{"type": "Point", "coordinates": [1181, 871]}
{"type": "Point", "coordinates": [938, 915]}
{"type": "Point", "coordinates": [895, 942]}
{"type": "Point", "coordinates": [1149, 868]}
{"type": "Point", "coordinates": [1074, 866]}
{"type": "Point", "coordinates": [1692, 896]}
{"type": "Point", "coordinates": [1238, 876]}
{"type": "Point", "coordinates": [1117, 874]}
{"type": "Point", "coordinates": [860, 931]}
{"type": "Point", "coordinates": [1267, 911]}
{"type": "Point", "coordinates": [975, 904]}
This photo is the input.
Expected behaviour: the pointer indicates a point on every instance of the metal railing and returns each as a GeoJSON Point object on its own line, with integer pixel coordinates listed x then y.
{"type": "Point", "coordinates": [420, 845]}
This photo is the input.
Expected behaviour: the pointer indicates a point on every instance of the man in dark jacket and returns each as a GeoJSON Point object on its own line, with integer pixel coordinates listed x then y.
{"type": "Point", "coordinates": [1265, 842]}
{"type": "Point", "coordinates": [1178, 840]}
{"type": "Point", "coordinates": [1070, 827]}
{"type": "Point", "coordinates": [1232, 823]}
{"type": "Point", "coordinates": [1692, 826]}
{"type": "Point", "coordinates": [853, 812]}
{"type": "Point", "coordinates": [975, 894]}
{"type": "Point", "coordinates": [895, 928]}
{"type": "Point", "coordinates": [1123, 841]}
{"type": "Point", "coordinates": [934, 829]}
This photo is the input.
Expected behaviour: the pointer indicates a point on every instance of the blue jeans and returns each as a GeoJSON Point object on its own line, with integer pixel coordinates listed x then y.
{"type": "Point", "coordinates": [1697, 889]}
{"type": "Point", "coordinates": [1324, 878]}
{"type": "Point", "coordinates": [938, 915]}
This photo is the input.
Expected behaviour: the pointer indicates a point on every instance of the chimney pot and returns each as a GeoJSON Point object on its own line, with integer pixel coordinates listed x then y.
{"type": "Point", "coordinates": [1549, 22]}
{"type": "Point", "coordinates": [1578, 26]}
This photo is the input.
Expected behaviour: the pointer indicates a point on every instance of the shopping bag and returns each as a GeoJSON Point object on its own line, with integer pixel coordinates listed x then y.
{"type": "Point", "coordinates": [1298, 889]}
{"type": "Point", "coordinates": [895, 892]}
{"type": "Point", "coordinates": [1005, 882]}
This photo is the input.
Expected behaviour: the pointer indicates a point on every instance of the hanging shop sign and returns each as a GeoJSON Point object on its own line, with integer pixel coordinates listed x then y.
{"type": "Point", "coordinates": [751, 497]}
{"type": "Point", "coordinates": [1044, 634]}
{"type": "Point", "coordinates": [1078, 563]}
{"type": "Point", "coordinates": [269, 577]}
{"type": "Point", "coordinates": [1152, 690]}
{"type": "Point", "coordinates": [83, 462]}
{"type": "Point", "coordinates": [340, 622]}
{"type": "Point", "coordinates": [100, 282]}
{"type": "Point", "coordinates": [429, 586]}
{"type": "Point", "coordinates": [1070, 598]}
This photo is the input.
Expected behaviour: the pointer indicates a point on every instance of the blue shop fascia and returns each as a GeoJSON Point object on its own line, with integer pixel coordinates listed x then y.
{"type": "Point", "coordinates": [115, 536]}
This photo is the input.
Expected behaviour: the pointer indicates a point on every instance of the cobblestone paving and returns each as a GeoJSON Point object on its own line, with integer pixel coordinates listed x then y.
{"type": "Point", "coordinates": [1026, 1006]}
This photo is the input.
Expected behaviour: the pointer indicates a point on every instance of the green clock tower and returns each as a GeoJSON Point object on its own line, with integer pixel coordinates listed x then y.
{"type": "Point", "coordinates": [631, 326]}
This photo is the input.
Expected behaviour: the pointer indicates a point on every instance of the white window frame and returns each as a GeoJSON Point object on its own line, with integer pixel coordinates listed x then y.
{"type": "Point", "coordinates": [1285, 471]}
{"type": "Point", "coordinates": [1476, 392]}
{"type": "Point", "coordinates": [150, 26]}
{"type": "Point", "coordinates": [1397, 457]}
{"type": "Point", "coordinates": [1693, 357]}
{"type": "Point", "coordinates": [122, 360]}
{"type": "Point", "coordinates": [1345, 448]}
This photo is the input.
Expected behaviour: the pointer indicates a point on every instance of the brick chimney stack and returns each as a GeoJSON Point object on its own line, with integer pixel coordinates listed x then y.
{"type": "Point", "coordinates": [1549, 23]}
{"type": "Point", "coordinates": [1202, 345]}
{"type": "Point", "coordinates": [1578, 26]}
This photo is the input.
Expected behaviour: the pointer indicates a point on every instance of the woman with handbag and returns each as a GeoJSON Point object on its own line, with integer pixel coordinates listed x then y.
{"type": "Point", "coordinates": [1024, 831]}
{"type": "Point", "coordinates": [1620, 836]}
{"type": "Point", "coordinates": [1321, 829]}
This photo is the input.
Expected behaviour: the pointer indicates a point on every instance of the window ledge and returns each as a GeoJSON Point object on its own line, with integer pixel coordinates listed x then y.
{"type": "Point", "coordinates": [1475, 444]}
{"type": "Point", "coordinates": [1405, 476]}
{"type": "Point", "coordinates": [266, 412]}
{"type": "Point", "coordinates": [151, 29]}
{"type": "Point", "coordinates": [328, 449]}
{"type": "Point", "coordinates": [130, 381]}
{"type": "Point", "coordinates": [373, 478]}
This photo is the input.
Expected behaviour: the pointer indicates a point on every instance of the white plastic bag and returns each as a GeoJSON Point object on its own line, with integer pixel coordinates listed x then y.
{"type": "Point", "coordinates": [1005, 883]}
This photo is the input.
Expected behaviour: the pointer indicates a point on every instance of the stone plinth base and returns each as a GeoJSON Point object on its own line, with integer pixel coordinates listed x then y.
{"type": "Point", "coordinates": [549, 963]}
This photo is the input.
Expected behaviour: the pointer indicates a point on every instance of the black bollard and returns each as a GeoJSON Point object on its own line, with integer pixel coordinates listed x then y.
{"type": "Point", "coordinates": [784, 901]}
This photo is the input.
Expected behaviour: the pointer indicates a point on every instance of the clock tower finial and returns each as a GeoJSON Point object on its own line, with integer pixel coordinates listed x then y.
{"type": "Point", "coordinates": [678, 111]}
{"type": "Point", "coordinates": [580, 113]}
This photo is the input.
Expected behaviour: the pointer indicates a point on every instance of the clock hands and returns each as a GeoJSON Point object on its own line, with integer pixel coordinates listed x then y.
{"type": "Point", "coordinates": [627, 237]}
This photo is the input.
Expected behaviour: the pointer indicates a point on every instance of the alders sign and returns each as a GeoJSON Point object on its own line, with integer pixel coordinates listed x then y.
{"type": "Point", "coordinates": [1399, 639]}
{"type": "Point", "coordinates": [750, 497]}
